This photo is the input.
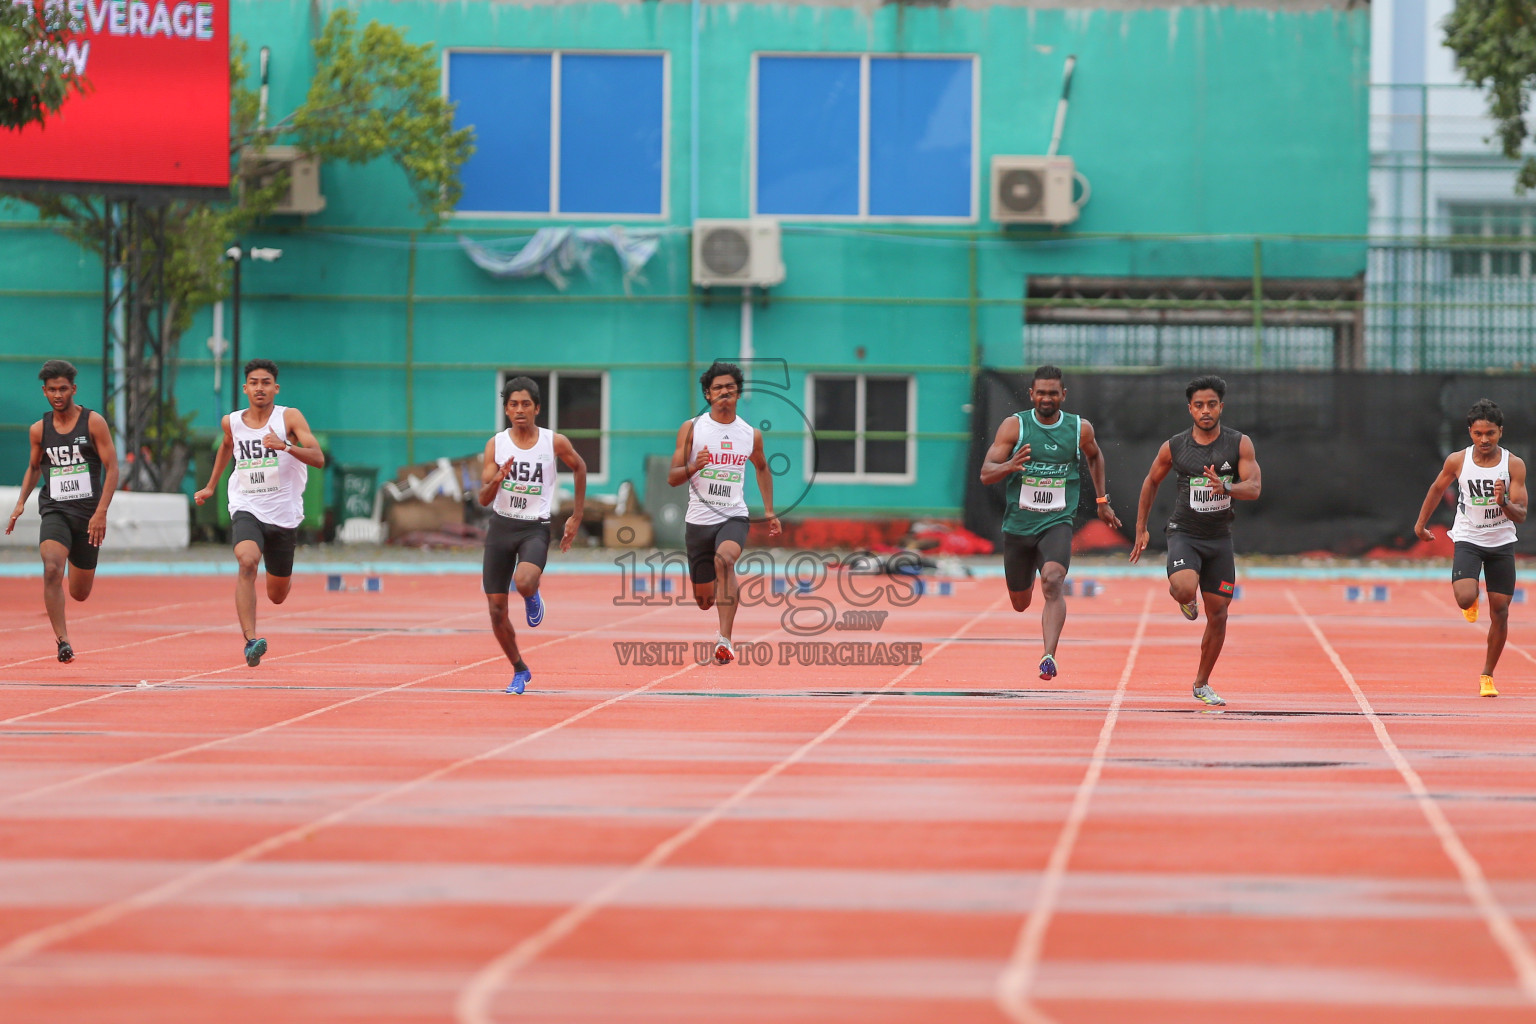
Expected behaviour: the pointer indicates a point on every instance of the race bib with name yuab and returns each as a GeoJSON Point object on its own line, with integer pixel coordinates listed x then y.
{"type": "Point", "coordinates": [1043, 494]}
{"type": "Point", "coordinates": [257, 476]}
{"type": "Point", "coordinates": [1202, 498]}
{"type": "Point", "coordinates": [514, 497]}
{"type": "Point", "coordinates": [69, 483]}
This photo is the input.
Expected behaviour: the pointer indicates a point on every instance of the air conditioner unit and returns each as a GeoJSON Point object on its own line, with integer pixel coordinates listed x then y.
{"type": "Point", "coordinates": [1033, 190]}
{"type": "Point", "coordinates": [737, 252]}
{"type": "Point", "coordinates": [257, 169]}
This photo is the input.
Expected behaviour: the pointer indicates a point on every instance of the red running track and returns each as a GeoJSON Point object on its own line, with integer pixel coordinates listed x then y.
{"type": "Point", "coordinates": [366, 829]}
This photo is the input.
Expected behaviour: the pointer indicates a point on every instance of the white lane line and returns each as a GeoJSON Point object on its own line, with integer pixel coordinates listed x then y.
{"type": "Point", "coordinates": [102, 773]}
{"type": "Point", "coordinates": [1500, 924]}
{"type": "Point", "coordinates": [1013, 985]}
{"type": "Point", "coordinates": [99, 615]}
{"type": "Point", "coordinates": [42, 938]}
{"type": "Point", "coordinates": [474, 1002]}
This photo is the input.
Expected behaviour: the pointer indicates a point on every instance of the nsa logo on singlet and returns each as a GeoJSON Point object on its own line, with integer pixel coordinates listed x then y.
{"type": "Point", "coordinates": [1481, 493]}
{"type": "Point", "coordinates": [525, 478]}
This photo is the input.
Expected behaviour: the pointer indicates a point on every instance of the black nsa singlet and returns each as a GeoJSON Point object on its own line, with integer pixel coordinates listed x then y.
{"type": "Point", "coordinates": [1198, 512]}
{"type": "Point", "coordinates": [71, 469]}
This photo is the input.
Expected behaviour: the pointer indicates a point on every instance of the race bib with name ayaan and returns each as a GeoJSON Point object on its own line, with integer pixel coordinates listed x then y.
{"type": "Point", "coordinates": [1203, 499]}
{"type": "Point", "coordinates": [1043, 494]}
{"type": "Point", "coordinates": [69, 483]}
{"type": "Point", "coordinates": [257, 476]}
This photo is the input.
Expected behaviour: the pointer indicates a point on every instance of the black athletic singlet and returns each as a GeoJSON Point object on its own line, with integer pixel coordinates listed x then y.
{"type": "Point", "coordinates": [1199, 512]}
{"type": "Point", "coordinates": [71, 469]}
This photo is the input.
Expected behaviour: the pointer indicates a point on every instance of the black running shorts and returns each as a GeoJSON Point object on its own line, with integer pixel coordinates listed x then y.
{"type": "Point", "coordinates": [508, 542]}
{"type": "Point", "coordinates": [277, 543]}
{"type": "Point", "coordinates": [1024, 555]}
{"type": "Point", "coordinates": [72, 532]}
{"type": "Point", "coordinates": [704, 539]}
{"type": "Point", "coordinates": [1497, 566]}
{"type": "Point", "coordinates": [1211, 557]}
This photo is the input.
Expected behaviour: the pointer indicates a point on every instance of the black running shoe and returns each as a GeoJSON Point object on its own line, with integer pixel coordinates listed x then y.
{"type": "Point", "coordinates": [66, 652]}
{"type": "Point", "coordinates": [254, 649]}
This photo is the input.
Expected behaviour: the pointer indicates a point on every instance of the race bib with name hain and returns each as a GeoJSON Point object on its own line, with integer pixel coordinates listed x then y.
{"type": "Point", "coordinates": [257, 476]}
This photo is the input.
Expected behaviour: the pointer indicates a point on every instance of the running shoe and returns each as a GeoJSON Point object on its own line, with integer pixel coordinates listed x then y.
{"type": "Point", "coordinates": [66, 652]}
{"type": "Point", "coordinates": [254, 649]}
{"type": "Point", "coordinates": [1485, 687]}
{"type": "Point", "coordinates": [534, 606]}
{"type": "Point", "coordinates": [1191, 611]}
{"type": "Point", "coordinates": [724, 652]}
{"type": "Point", "coordinates": [1470, 614]}
{"type": "Point", "coordinates": [520, 681]}
{"type": "Point", "coordinates": [1048, 668]}
{"type": "Point", "coordinates": [1206, 695]}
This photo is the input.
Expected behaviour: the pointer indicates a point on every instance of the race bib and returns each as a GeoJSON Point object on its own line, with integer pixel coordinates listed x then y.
{"type": "Point", "coordinates": [514, 499]}
{"type": "Point", "coordinates": [1043, 494]}
{"type": "Point", "coordinates": [1203, 499]}
{"type": "Point", "coordinates": [69, 483]}
{"type": "Point", "coordinates": [257, 476]}
{"type": "Point", "coordinates": [720, 485]}
{"type": "Point", "coordinates": [1482, 511]}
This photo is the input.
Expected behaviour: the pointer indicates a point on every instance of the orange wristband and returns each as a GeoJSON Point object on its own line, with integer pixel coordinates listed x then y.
{"type": "Point", "coordinates": [1104, 500]}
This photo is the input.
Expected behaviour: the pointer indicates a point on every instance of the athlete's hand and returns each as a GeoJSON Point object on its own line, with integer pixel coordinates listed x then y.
{"type": "Point", "coordinates": [273, 442]}
{"type": "Point", "coordinates": [774, 527]}
{"type": "Point", "coordinates": [1218, 485]}
{"type": "Point", "coordinates": [1108, 518]}
{"type": "Point", "coordinates": [203, 495]}
{"type": "Point", "coordinates": [15, 516]}
{"type": "Point", "coordinates": [699, 461]}
{"type": "Point", "coordinates": [506, 470]}
{"type": "Point", "coordinates": [1498, 491]}
{"type": "Point", "coordinates": [1020, 457]}
{"type": "Point", "coordinates": [569, 533]}
{"type": "Point", "coordinates": [1423, 532]}
{"type": "Point", "coordinates": [96, 529]}
{"type": "Point", "coordinates": [1142, 537]}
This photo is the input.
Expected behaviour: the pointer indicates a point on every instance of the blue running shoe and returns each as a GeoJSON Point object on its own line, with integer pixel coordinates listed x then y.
{"type": "Point", "coordinates": [254, 649]}
{"type": "Point", "coordinates": [534, 606]}
{"type": "Point", "coordinates": [1048, 668]}
{"type": "Point", "coordinates": [520, 681]}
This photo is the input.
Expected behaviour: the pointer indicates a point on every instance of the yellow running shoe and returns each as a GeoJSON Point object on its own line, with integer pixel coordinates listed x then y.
{"type": "Point", "coordinates": [1486, 689]}
{"type": "Point", "coordinates": [1470, 614]}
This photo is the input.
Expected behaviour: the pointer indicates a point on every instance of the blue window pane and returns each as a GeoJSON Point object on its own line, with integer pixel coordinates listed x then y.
{"type": "Point", "coordinates": [611, 134]}
{"type": "Point", "coordinates": [920, 137]}
{"type": "Point", "coordinates": [808, 135]}
{"type": "Point", "coordinates": [505, 98]}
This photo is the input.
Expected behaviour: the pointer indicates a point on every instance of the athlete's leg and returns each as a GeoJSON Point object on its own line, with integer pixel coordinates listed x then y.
{"type": "Point", "coordinates": [1465, 592]}
{"type": "Point", "coordinates": [83, 556]}
{"type": "Point", "coordinates": [1499, 581]}
{"type": "Point", "coordinates": [55, 557]}
{"type": "Point", "coordinates": [526, 579]}
{"type": "Point", "coordinates": [1184, 585]}
{"type": "Point", "coordinates": [699, 540]}
{"type": "Point", "coordinates": [1498, 630]}
{"type": "Point", "coordinates": [248, 554]}
{"type": "Point", "coordinates": [725, 584]}
{"type": "Point", "coordinates": [80, 582]}
{"type": "Point", "coordinates": [501, 626]}
{"type": "Point", "coordinates": [1019, 569]}
{"type": "Point", "coordinates": [1215, 635]}
{"type": "Point", "coordinates": [278, 587]}
{"type": "Point", "coordinates": [1053, 616]}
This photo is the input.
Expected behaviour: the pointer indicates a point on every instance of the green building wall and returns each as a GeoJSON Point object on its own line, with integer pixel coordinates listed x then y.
{"type": "Point", "coordinates": [1222, 122]}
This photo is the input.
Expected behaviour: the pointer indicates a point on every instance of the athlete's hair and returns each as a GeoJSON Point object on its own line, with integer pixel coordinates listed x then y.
{"type": "Point", "coordinates": [260, 364]}
{"type": "Point", "coordinates": [1485, 409]}
{"type": "Point", "coordinates": [720, 368]}
{"type": "Point", "coordinates": [57, 368]}
{"type": "Point", "coordinates": [517, 384]}
{"type": "Point", "coordinates": [1046, 372]}
{"type": "Point", "coordinates": [1208, 382]}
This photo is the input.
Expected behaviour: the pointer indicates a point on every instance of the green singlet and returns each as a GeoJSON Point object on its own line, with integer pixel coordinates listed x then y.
{"type": "Point", "coordinates": [1045, 493]}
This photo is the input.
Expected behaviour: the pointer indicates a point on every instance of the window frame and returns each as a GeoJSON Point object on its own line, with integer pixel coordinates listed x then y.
{"type": "Point", "coordinates": [555, 55]}
{"type": "Point", "coordinates": [860, 419]}
{"type": "Point", "coordinates": [864, 216]}
{"type": "Point", "coordinates": [1486, 214]}
{"type": "Point", "coordinates": [551, 405]}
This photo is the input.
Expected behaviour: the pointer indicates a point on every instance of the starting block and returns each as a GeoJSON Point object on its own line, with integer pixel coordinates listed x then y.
{"type": "Point", "coordinates": [1372, 593]}
{"type": "Point", "coordinates": [642, 585]}
{"type": "Point", "coordinates": [1089, 588]}
{"type": "Point", "coordinates": [940, 588]}
{"type": "Point", "coordinates": [781, 586]}
{"type": "Point", "coordinates": [371, 584]}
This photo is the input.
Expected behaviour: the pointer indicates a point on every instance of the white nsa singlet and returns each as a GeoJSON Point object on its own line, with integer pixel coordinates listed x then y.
{"type": "Point", "coordinates": [526, 492]}
{"type": "Point", "coordinates": [267, 484]}
{"type": "Point", "coordinates": [1478, 520]}
{"type": "Point", "coordinates": [719, 491]}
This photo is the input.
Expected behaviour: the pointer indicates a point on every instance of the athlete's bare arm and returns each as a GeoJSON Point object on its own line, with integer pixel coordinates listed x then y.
{"type": "Point", "coordinates": [491, 475]}
{"type": "Point", "coordinates": [567, 453]}
{"type": "Point", "coordinates": [1002, 461]}
{"type": "Point", "coordinates": [303, 445]}
{"type": "Point", "coordinates": [1516, 503]}
{"type": "Point", "coordinates": [1249, 485]}
{"type": "Point", "coordinates": [1448, 474]}
{"type": "Point", "coordinates": [681, 470]}
{"type": "Point", "coordinates": [101, 437]}
{"type": "Point", "coordinates": [1096, 472]}
{"type": "Point", "coordinates": [1160, 468]}
{"type": "Point", "coordinates": [220, 460]}
{"type": "Point", "coordinates": [34, 470]}
{"type": "Point", "coordinates": [764, 482]}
